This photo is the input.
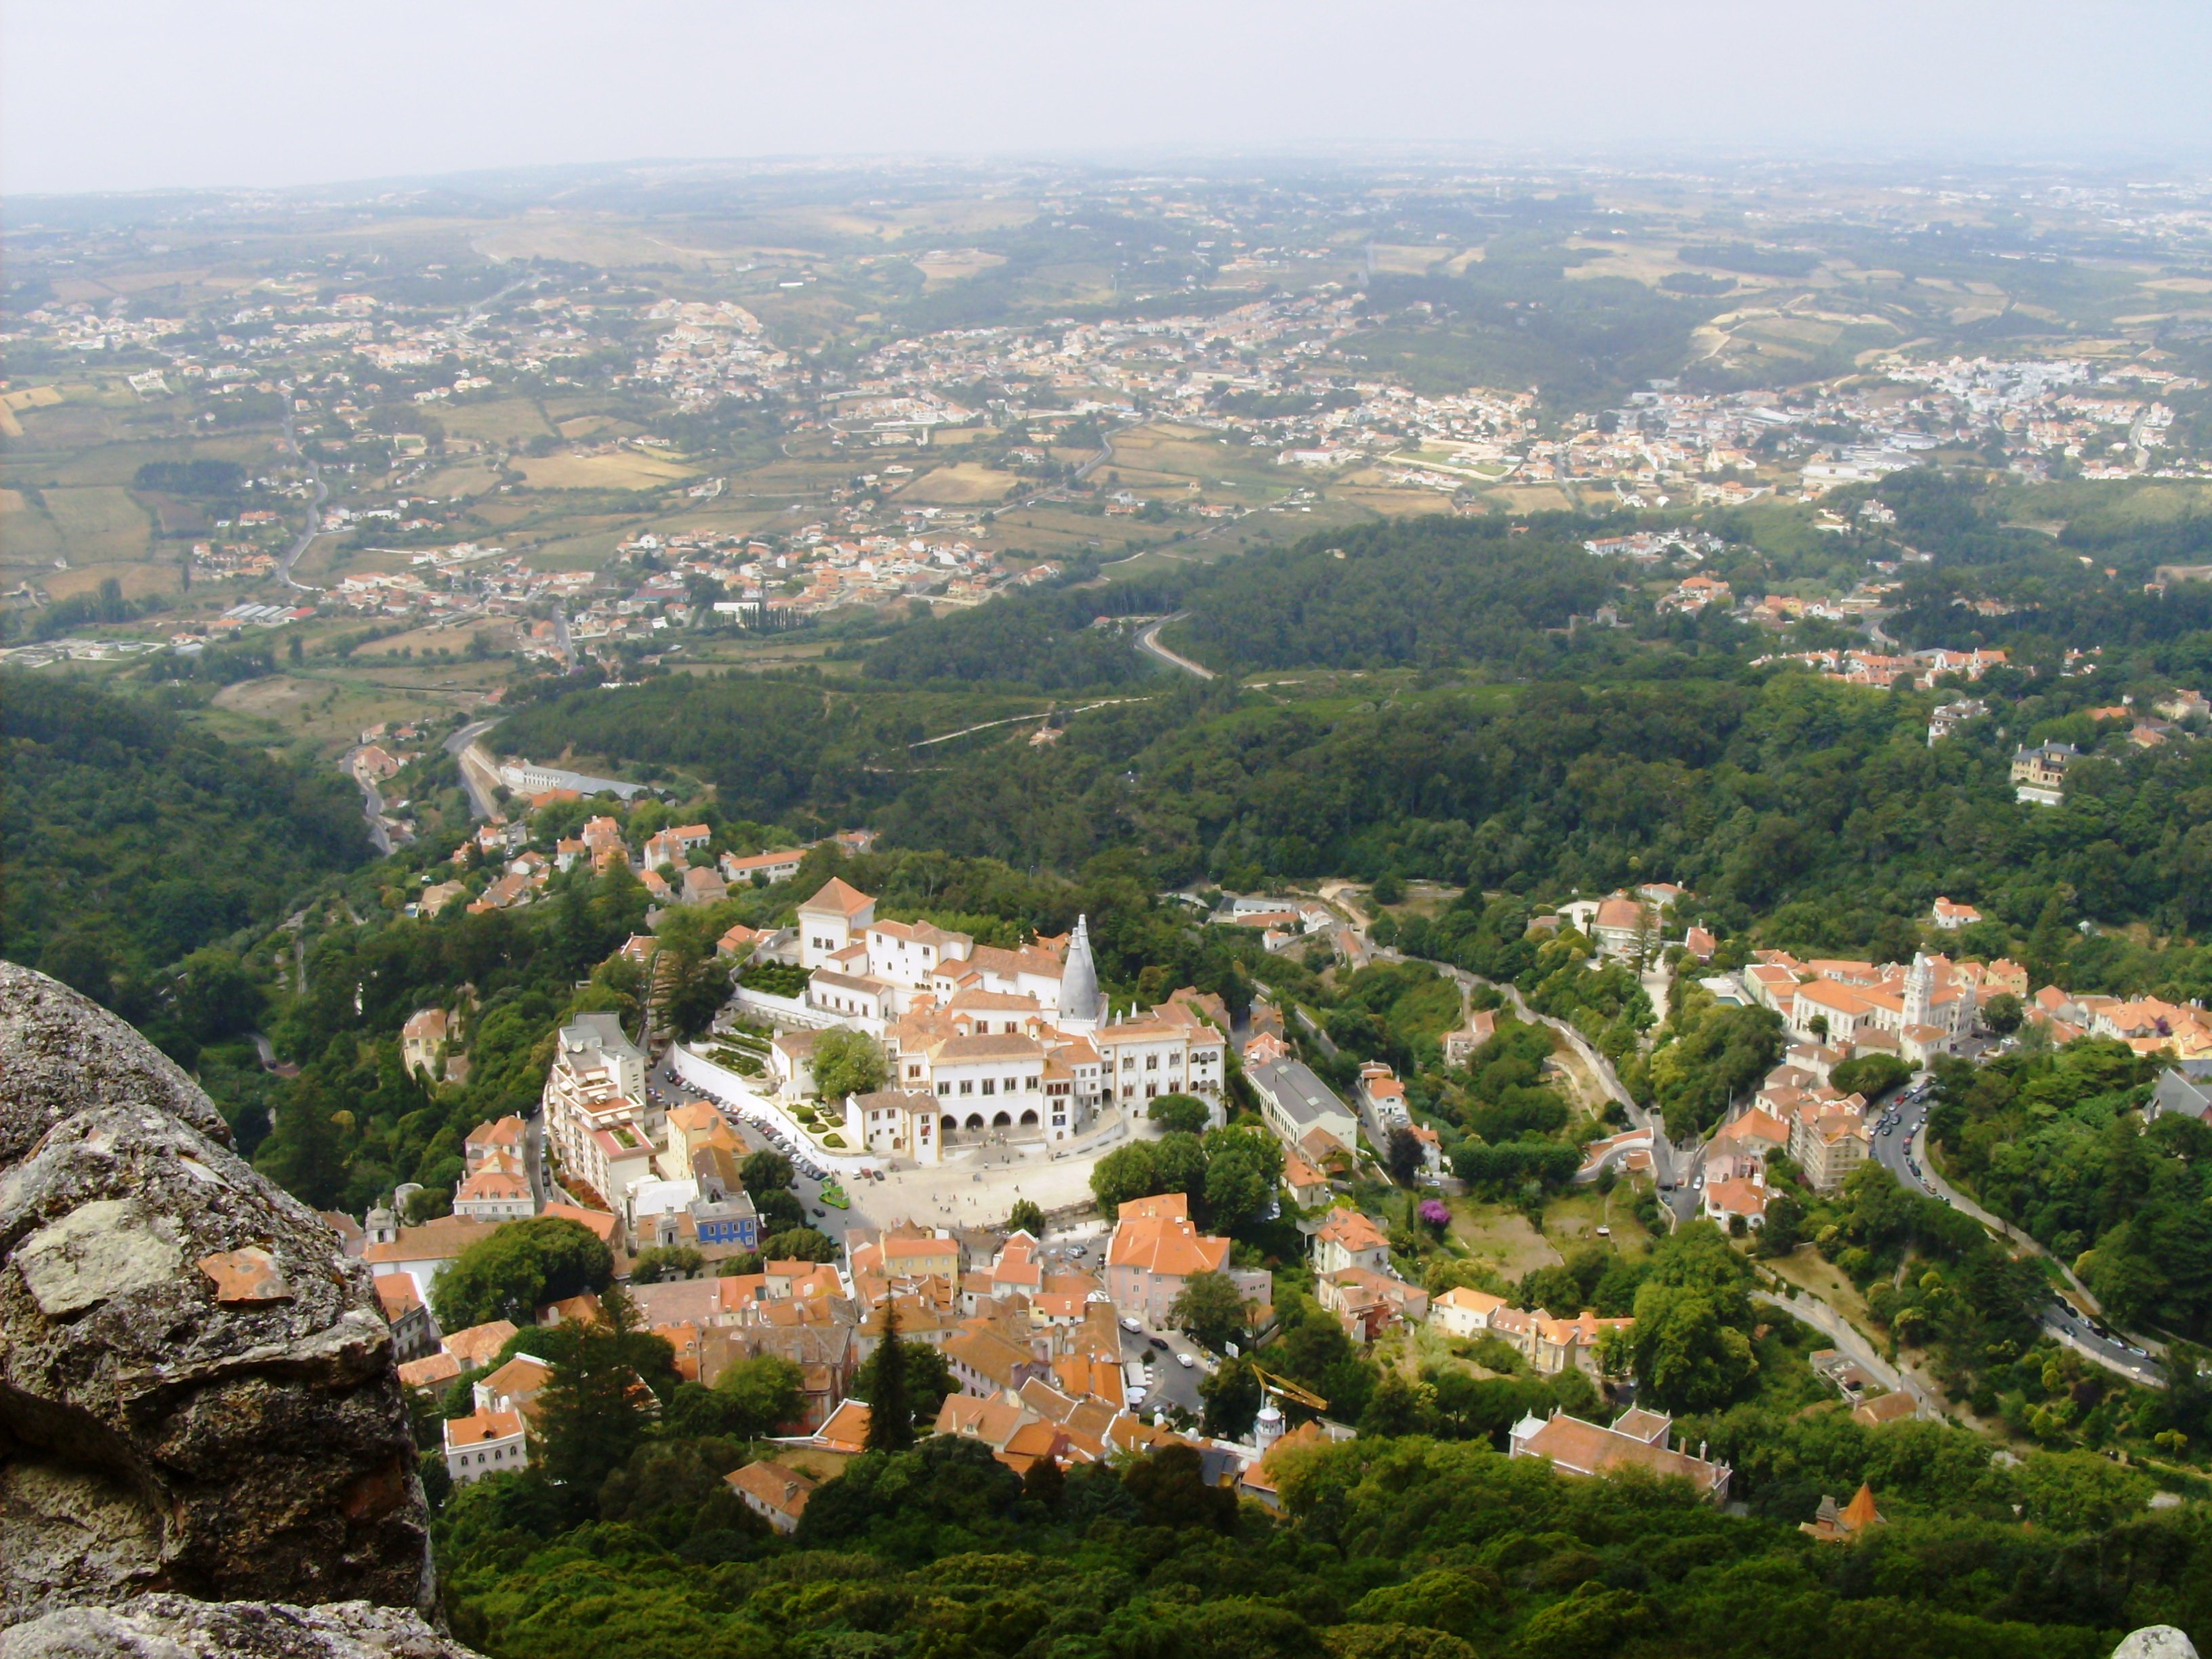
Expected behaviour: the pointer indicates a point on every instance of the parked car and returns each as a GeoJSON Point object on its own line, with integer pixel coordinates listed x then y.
{"type": "Point", "coordinates": [1185, 1361]}
{"type": "Point", "coordinates": [1129, 1324]}
{"type": "Point", "coordinates": [1159, 1342]}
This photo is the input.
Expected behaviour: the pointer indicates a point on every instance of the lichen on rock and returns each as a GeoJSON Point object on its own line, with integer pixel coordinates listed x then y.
{"type": "Point", "coordinates": [198, 1392]}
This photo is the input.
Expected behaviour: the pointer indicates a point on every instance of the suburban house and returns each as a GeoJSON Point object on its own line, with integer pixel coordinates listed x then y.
{"type": "Point", "coordinates": [414, 1333]}
{"type": "Point", "coordinates": [1157, 1249]}
{"type": "Point", "coordinates": [1739, 1196]}
{"type": "Point", "coordinates": [495, 1190]}
{"type": "Point", "coordinates": [1622, 928]}
{"type": "Point", "coordinates": [775, 1492]}
{"type": "Point", "coordinates": [485, 1443]}
{"type": "Point", "coordinates": [2038, 774]}
{"type": "Point", "coordinates": [1557, 1344]}
{"type": "Point", "coordinates": [1346, 1238]}
{"type": "Point", "coordinates": [1636, 1439]}
{"type": "Point", "coordinates": [1368, 1302]}
{"type": "Point", "coordinates": [1952, 917]}
{"type": "Point", "coordinates": [1465, 1312]}
{"type": "Point", "coordinates": [1828, 1140]}
{"type": "Point", "coordinates": [422, 1041]}
{"type": "Point", "coordinates": [1460, 1046]}
{"type": "Point", "coordinates": [422, 1252]}
{"type": "Point", "coordinates": [2186, 1088]}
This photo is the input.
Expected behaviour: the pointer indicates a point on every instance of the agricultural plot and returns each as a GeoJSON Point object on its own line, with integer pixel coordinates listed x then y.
{"type": "Point", "coordinates": [506, 420]}
{"type": "Point", "coordinates": [623, 469]}
{"type": "Point", "coordinates": [964, 484]}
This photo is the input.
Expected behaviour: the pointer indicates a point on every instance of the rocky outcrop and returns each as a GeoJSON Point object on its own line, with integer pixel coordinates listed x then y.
{"type": "Point", "coordinates": [197, 1394]}
{"type": "Point", "coordinates": [176, 1627]}
{"type": "Point", "coordinates": [2155, 1641]}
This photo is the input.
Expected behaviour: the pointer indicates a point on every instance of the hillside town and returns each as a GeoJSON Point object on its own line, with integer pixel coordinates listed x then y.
{"type": "Point", "coordinates": [999, 1064]}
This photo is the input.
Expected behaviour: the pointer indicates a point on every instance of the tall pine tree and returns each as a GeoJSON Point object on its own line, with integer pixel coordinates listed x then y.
{"type": "Point", "coordinates": [595, 1411]}
{"type": "Point", "coordinates": [891, 1413]}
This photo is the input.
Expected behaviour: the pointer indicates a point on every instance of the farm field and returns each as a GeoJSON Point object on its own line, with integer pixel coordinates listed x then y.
{"type": "Point", "coordinates": [964, 484]}
{"type": "Point", "coordinates": [621, 470]}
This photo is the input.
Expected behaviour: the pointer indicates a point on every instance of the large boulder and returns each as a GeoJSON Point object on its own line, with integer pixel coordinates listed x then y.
{"type": "Point", "coordinates": [198, 1392]}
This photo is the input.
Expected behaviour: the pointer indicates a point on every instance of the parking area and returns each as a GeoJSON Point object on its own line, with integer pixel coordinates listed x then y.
{"type": "Point", "coordinates": [1167, 1365]}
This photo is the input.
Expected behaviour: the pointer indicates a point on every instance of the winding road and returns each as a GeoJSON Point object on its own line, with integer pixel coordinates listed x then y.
{"type": "Point", "coordinates": [1902, 1149]}
{"type": "Point", "coordinates": [372, 804]}
{"type": "Point", "coordinates": [1148, 641]}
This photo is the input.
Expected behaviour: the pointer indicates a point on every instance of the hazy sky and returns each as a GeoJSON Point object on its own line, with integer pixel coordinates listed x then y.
{"type": "Point", "coordinates": [116, 94]}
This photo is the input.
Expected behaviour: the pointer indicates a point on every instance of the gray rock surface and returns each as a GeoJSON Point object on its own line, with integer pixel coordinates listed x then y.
{"type": "Point", "coordinates": [197, 1393]}
{"type": "Point", "coordinates": [161, 1626]}
{"type": "Point", "coordinates": [2155, 1641]}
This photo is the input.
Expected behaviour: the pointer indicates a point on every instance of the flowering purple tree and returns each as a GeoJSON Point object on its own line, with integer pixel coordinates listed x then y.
{"type": "Point", "coordinates": [1434, 1215]}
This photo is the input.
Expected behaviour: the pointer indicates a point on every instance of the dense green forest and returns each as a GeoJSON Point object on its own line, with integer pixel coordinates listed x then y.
{"type": "Point", "coordinates": [773, 747]}
{"type": "Point", "coordinates": [1417, 1538]}
{"type": "Point", "coordinates": [1392, 1548]}
{"type": "Point", "coordinates": [1817, 810]}
{"type": "Point", "coordinates": [132, 839]}
{"type": "Point", "coordinates": [1042, 640]}
{"type": "Point", "coordinates": [1430, 592]}
{"type": "Point", "coordinates": [1433, 593]}
{"type": "Point", "coordinates": [2050, 1141]}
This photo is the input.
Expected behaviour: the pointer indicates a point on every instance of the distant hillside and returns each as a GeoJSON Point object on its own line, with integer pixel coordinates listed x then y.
{"type": "Point", "coordinates": [130, 840]}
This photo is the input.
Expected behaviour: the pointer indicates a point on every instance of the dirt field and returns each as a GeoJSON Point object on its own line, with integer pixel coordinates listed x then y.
{"type": "Point", "coordinates": [625, 469]}
{"type": "Point", "coordinates": [1502, 1239]}
{"type": "Point", "coordinates": [507, 420]}
{"type": "Point", "coordinates": [962, 484]}
{"type": "Point", "coordinates": [955, 264]}
{"type": "Point", "coordinates": [332, 709]}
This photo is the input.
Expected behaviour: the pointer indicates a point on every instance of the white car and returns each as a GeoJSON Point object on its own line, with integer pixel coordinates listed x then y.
{"type": "Point", "coordinates": [1185, 1361]}
{"type": "Point", "coordinates": [1130, 1324]}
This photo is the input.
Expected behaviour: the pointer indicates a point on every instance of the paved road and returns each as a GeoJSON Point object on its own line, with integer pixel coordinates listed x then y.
{"type": "Point", "coordinates": [1901, 1146]}
{"type": "Point", "coordinates": [1851, 1340]}
{"type": "Point", "coordinates": [371, 804]}
{"type": "Point", "coordinates": [314, 508]}
{"type": "Point", "coordinates": [1104, 455]}
{"type": "Point", "coordinates": [1148, 641]}
{"type": "Point", "coordinates": [480, 801]}
{"type": "Point", "coordinates": [1672, 1165]}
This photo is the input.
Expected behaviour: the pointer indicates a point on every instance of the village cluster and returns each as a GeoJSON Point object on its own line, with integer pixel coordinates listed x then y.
{"type": "Point", "coordinates": [1015, 1050]}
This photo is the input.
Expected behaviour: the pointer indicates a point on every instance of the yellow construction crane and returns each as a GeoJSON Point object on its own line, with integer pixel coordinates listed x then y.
{"type": "Point", "coordinates": [1290, 1391]}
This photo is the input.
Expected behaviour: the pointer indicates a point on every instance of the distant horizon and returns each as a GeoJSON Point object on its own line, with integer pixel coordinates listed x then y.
{"type": "Point", "coordinates": [131, 98]}
{"type": "Point", "coordinates": [2142, 167]}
